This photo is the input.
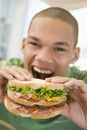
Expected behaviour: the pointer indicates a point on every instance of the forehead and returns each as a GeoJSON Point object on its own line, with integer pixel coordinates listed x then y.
{"type": "Point", "coordinates": [52, 21]}
{"type": "Point", "coordinates": [52, 29]}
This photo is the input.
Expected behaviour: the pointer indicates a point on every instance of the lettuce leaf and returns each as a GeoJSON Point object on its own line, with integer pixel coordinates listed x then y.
{"type": "Point", "coordinates": [41, 92]}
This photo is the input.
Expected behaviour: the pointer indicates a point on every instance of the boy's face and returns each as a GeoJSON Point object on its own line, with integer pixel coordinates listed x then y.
{"type": "Point", "coordinates": [49, 48]}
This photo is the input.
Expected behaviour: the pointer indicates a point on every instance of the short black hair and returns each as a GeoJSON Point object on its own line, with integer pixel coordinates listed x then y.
{"type": "Point", "coordinates": [63, 15]}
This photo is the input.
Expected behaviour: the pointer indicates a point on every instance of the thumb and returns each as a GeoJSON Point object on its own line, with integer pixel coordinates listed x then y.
{"type": "Point", "coordinates": [65, 111]}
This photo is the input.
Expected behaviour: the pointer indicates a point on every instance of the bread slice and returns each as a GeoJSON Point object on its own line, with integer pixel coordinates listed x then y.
{"type": "Point", "coordinates": [35, 84]}
{"type": "Point", "coordinates": [33, 112]}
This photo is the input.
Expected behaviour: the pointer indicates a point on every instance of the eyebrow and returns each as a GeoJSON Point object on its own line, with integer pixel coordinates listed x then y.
{"type": "Point", "coordinates": [62, 43]}
{"type": "Point", "coordinates": [56, 43]}
{"type": "Point", "coordinates": [34, 38]}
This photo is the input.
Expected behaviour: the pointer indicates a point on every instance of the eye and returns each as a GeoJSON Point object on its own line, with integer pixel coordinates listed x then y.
{"type": "Point", "coordinates": [59, 49]}
{"type": "Point", "coordinates": [34, 44]}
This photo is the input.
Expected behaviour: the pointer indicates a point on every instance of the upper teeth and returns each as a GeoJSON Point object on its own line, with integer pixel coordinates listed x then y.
{"type": "Point", "coordinates": [42, 71]}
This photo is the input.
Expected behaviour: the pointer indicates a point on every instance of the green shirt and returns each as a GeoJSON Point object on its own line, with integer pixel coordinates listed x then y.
{"type": "Point", "coordinates": [9, 121]}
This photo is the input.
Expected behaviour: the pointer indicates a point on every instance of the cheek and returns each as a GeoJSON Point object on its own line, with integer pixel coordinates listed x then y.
{"type": "Point", "coordinates": [61, 67]}
{"type": "Point", "coordinates": [63, 62]}
{"type": "Point", "coordinates": [28, 56]}
{"type": "Point", "coordinates": [28, 53]}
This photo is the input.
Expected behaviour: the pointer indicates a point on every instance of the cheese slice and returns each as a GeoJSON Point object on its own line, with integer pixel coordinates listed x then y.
{"type": "Point", "coordinates": [53, 98]}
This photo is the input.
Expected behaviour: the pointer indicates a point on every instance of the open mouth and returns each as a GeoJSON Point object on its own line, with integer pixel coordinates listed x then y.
{"type": "Point", "coordinates": [41, 74]}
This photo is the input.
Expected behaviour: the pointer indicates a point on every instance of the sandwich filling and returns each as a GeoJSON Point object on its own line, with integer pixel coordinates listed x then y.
{"type": "Point", "coordinates": [46, 93]}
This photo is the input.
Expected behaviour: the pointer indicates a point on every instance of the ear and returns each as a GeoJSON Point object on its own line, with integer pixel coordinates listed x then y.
{"type": "Point", "coordinates": [75, 55]}
{"type": "Point", "coordinates": [23, 44]}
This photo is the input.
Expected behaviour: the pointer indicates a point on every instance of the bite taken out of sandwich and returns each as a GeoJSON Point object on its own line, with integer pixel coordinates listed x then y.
{"type": "Point", "coordinates": [35, 98]}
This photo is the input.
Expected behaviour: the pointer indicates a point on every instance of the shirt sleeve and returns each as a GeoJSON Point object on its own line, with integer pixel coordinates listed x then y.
{"type": "Point", "coordinates": [78, 74]}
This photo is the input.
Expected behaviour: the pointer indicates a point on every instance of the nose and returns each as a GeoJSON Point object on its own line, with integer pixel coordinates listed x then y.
{"type": "Point", "coordinates": [44, 56]}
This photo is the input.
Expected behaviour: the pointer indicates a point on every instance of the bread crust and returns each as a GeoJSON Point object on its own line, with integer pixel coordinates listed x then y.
{"type": "Point", "coordinates": [35, 84]}
{"type": "Point", "coordinates": [34, 112]}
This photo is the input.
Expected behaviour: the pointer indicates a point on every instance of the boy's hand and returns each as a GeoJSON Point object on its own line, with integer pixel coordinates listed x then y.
{"type": "Point", "coordinates": [77, 109]}
{"type": "Point", "coordinates": [11, 72]}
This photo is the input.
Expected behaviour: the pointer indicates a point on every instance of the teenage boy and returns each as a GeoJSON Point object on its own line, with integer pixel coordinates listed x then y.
{"type": "Point", "coordinates": [49, 49]}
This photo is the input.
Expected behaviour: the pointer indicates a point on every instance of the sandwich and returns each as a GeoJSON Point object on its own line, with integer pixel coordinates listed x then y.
{"type": "Point", "coordinates": [36, 98]}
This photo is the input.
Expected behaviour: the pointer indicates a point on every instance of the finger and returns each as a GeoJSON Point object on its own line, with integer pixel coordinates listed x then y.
{"type": "Point", "coordinates": [76, 84]}
{"type": "Point", "coordinates": [15, 72]}
{"type": "Point", "coordinates": [65, 111]}
{"type": "Point", "coordinates": [58, 79]}
{"type": "Point", "coordinates": [10, 73]}
{"type": "Point", "coordinates": [23, 72]}
{"type": "Point", "coordinates": [6, 74]}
